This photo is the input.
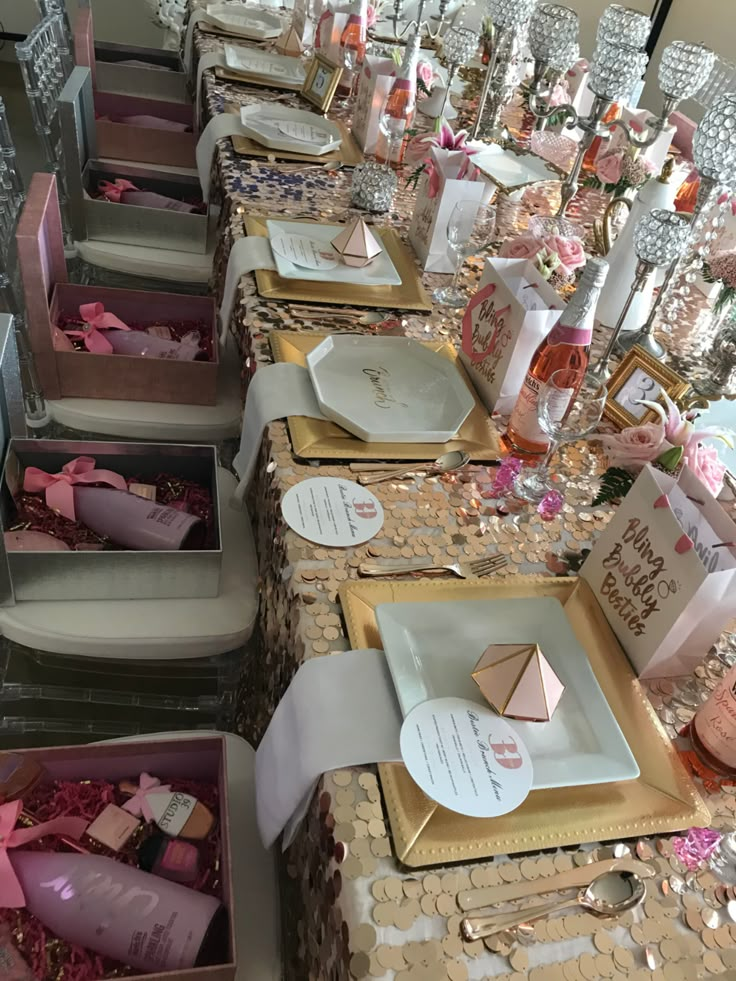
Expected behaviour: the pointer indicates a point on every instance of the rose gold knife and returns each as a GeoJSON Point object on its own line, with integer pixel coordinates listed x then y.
{"type": "Point", "coordinates": [572, 879]}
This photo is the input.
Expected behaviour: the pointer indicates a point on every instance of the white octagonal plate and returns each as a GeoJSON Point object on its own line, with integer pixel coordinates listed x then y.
{"type": "Point", "coordinates": [263, 123]}
{"type": "Point", "coordinates": [389, 389]}
{"type": "Point", "coordinates": [265, 64]}
{"type": "Point", "coordinates": [245, 21]}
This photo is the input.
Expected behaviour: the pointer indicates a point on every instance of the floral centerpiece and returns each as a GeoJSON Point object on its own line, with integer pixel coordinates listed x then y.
{"type": "Point", "coordinates": [619, 171]}
{"type": "Point", "coordinates": [722, 269]}
{"type": "Point", "coordinates": [443, 138]}
{"type": "Point", "coordinates": [426, 75]}
{"type": "Point", "coordinates": [555, 256]}
{"type": "Point", "coordinates": [667, 443]}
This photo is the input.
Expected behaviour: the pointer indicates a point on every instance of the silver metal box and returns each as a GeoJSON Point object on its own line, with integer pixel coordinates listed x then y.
{"type": "Point", "coordinates": [115, 573]}
{"type": "Point", "coordinates": [149, 83]}
{"type": "Point", "coordinates": [98, 219]}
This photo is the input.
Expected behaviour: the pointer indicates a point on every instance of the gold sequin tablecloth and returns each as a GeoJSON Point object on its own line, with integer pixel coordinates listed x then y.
{"type": "Point", "coordinates": [348, 910]}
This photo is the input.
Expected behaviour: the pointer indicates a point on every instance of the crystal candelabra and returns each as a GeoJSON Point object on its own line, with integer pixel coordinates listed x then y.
{"type": "Point", "coordinates": [714, 156]}
{"type": "Point", "coordinates": [659, 237]}
{"type": "Point", "coordinates": [458, 45]}
{"type": "Point", "coordinates": [508, 17]}
{"type": "Point", "coordinates": [553, 41]}
{"type": "Point", "coordinates": [418, 24]}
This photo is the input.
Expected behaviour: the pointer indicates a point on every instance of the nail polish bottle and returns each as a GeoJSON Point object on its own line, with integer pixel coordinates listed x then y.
{"type": "Point", "coordinates": [170, 858]}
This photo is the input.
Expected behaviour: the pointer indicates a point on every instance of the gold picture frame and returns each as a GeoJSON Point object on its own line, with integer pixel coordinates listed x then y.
{"type": "Point", "coordinates": [322, 79]}
{"type": "Point", "coordinates": [640, 376]}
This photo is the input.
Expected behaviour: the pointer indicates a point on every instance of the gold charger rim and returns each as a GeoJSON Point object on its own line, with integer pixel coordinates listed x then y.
{"type": "Point", "coordinates": [409, 295]}
{"type": "Point", "coordinates": [349, 153]}
{"type": "Point", "coordinates": [261, 81]}
{"type": "Point", "coordinates": [309, 440]}
{"type": "Point", "coordinates": [589, 814]}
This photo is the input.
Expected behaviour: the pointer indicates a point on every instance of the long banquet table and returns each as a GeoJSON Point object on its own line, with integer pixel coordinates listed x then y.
{"type": "Point", "coordinates": [349, 910]}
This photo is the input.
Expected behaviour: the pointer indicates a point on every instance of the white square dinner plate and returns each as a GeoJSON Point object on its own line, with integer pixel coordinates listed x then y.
{"type": "Point", "coordinates": [389, 389]}
{"type": "Point", "coordinates": [250, 22]}
{"type": "Point", "coordinates": [512, 170]}
{"type": "Point", "coordinates": [265, 64]}
{"type": "Point", "coordinates": [263, 122]}
{"type": "Point", "coordinates": [380, 272]}
{"type": "Point", "coordinates": [432, 648]}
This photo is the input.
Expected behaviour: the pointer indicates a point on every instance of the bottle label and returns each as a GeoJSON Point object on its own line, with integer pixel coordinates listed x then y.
{"type": "Point", "coordinates": [562, 334]}
{"type": "Point", "coordinates": [171, 811]}
{"type": "Point", "coordinates": [715, 722]}
{"type": "Point", "coordinates": [524, 419]}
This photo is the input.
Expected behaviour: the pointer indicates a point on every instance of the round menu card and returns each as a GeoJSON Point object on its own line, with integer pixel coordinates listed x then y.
{"type": "Point", "coordinates": [466, 757]}
{"type": "Point", "coordinates": [332, 511]}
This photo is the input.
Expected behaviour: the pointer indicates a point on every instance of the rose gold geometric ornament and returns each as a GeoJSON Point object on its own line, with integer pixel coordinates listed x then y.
{"type": "Point", "coordinates": [517, 680]}
{"type": "Point", "coordinates": [356, 244]}
{"type": "Point", "coordinates": [289, 43]}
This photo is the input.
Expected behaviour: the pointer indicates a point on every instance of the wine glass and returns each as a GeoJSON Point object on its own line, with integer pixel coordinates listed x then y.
{"type": "Point", "coordinates": [393, 128]}
{"type": "Point", "coordinates": [469, 231]}
{"type": "Point", "coordinates": [568, 408]}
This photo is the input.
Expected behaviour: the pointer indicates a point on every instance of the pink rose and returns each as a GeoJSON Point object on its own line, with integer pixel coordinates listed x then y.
{"type": "Point", "coordinates": [425, 73]}
{"type": "Point", "coordinates": [521, 247]}
{"type": "Point", "coordinates": [559, 95]}
{"type": "Point", "coordinates": [608, 168]}
{"type": "Point", "coordinates": [570, 251]}
{"type": "Point", "coordinates": [371, 15]}
{"type": "Point", "coordinates": [706, 465]}
{"type": "Point", "coordinates": [634, 447]}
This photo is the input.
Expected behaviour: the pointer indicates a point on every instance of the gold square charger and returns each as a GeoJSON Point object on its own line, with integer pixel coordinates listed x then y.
{"type": "Point", "coordinates": [348, 153]}
{"type": "Point", "coordinates": [662, 799]}
{"type": "Point", "coordinates": [323, 439]}
{"type": "Point", "coordinates": [408, 295]}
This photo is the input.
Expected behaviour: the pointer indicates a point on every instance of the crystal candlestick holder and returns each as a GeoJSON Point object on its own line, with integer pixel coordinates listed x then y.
{"type": "Point", "coordinates": [624, 23]}
{"type": "Point", "coordinates": [553, 41]}
{"type": "Point", "coordinates": [373, 187]}
{"type": "Point", "coordinates": [458, 45]}
{"type": "Point", "coordinates": [508, 18]}
{"type": "Point", "coordinates": [659, 237]}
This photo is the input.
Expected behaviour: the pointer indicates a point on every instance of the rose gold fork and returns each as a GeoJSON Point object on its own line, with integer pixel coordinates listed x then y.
{"type": "Point", "coordinates": [477, 568]}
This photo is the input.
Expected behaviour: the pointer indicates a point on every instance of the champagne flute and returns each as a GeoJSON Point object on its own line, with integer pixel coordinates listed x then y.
{"type": "Point", "coordinates": [568, 408]}
{"type": "Point", "coordinates": [469, 231]}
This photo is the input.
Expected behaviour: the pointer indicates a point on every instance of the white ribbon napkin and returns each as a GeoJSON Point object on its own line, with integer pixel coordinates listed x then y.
{"type": "Point", "coordinates": [194, 19]}
{"type": "Point", "coordinates": [222, 125]}
{"type": "Point", "coordinates": [338, 711]}
{"type": "Point", "coordinates": [247, 254]}
{"type": "Point", "coordinates": [214, 59]}
{"type": "Point", "coordinates": [275, 391]}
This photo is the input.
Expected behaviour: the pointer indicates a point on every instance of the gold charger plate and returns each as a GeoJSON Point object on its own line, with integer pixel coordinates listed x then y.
{"type": "Point", "coordinates": [409, 295]}
{"type": "Point", "coordinates": [322, 439]}
{"type": "Point", "coordinates": [245, 78]}
{"type": "Point", "coordinates": [348, 153]}
{"type": "Point", "coordinates": [663, 799]}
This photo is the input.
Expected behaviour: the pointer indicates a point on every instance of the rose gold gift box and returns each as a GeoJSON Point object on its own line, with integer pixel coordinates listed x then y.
{"type": "Point", "coordinates": [79, 374]}
{"type": "Point", "coordinates": [198, 758]}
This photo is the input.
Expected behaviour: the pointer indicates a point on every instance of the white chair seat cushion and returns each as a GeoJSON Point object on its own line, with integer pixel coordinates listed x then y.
{"type": "Point", "coordinates": [135, 260]}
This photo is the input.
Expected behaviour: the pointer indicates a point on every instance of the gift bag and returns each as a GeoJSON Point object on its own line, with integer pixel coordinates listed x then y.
{"type": "Point", "coordinates": [374, 85]}
{"type": "Point", "coordinates": [450, 176]}
{"type": "Point", "coordinates": [512, 312]}
{"type": "Point", "coordinates": [663, 586]}
{"type": "Point", "coordinates": [329, 30]}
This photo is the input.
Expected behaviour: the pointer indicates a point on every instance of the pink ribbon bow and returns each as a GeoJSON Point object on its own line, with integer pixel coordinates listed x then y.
{"type": "Point", "coordinates": [11, 891]}
{"type": "Point", "coordinates": [96, 320]}
{"type": "Point", "coordinates": [114, 192]}
{"type": "Point", "coordinates": [138, 803]}
{"type": "Point", "coordinates": [59, 487]}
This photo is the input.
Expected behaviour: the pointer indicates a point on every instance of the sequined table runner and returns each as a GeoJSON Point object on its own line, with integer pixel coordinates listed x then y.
{"type": "Point", "coordinates": [348, 909]}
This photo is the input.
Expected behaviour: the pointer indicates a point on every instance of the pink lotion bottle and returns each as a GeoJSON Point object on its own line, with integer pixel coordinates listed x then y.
{"type": "Point", "coordinates": [135, 522]}
{"type": "Point", "coordinates": [118, 911]}
{"type": "Point", "coordinates": [139, 343]}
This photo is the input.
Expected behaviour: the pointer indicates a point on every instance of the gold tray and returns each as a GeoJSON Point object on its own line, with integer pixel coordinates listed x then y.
{"type": "Point", "coordinates": [245, 78]}
{"type": "Point", "coordinates": [662, 799]}
{"type": "Point", "coordinates": [409, 295]}
{"type": "Point", "coordinates": [322, 439]}
{"type": "Point", "coordinates": [348, 153]}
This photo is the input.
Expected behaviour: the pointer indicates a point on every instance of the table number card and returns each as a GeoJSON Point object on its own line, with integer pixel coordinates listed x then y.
{"type": "Point", "coordinates": [665, 591]}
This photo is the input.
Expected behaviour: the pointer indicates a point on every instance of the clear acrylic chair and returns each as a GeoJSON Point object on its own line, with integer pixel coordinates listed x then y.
{"type": "Point", "coordinates": [51, 8]}
{"type": "Point", "coordinates": [45, 68]}
{"type": "Point", "coordinates": [11, 201]}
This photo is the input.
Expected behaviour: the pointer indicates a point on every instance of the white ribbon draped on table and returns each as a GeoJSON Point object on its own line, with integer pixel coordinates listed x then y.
{"type": "Point", "coordinates": [338, 711]}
